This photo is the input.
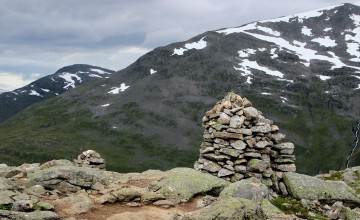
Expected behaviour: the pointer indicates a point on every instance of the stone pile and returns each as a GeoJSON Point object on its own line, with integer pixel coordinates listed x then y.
{"type": "Point", "coordinates": [90, 159]}
{"type": "Point", "coordinates": [239, 142]}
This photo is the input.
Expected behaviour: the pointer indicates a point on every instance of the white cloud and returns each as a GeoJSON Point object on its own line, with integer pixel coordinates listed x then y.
{"type": "Point", "coordinates": [11, 81]}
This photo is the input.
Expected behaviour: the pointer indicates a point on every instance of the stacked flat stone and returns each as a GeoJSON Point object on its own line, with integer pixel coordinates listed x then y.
{"type": "Point", "coordinates": [239, 142]}
{"type": "Point", "coordinates": [90, 158]}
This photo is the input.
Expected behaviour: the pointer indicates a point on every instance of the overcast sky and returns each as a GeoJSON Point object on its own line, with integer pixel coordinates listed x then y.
{"type": "Point", "coordinates": [40, 36]}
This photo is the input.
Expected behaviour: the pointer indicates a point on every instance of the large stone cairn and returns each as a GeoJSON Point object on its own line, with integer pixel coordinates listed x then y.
{"type": "Point", "coordinates": [239, 142]}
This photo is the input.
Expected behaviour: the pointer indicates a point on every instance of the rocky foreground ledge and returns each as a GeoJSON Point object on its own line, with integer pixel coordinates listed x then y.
{"type": "Point", "coordinates": [60, 189]}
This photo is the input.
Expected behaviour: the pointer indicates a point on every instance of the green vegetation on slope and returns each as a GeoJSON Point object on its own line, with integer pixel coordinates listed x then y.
{"type": "Point", "coordinates": [47, 132]}
{"type": "Point", "coordinates": [322, 138]}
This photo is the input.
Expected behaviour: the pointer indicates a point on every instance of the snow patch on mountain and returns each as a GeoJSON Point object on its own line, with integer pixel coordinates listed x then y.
{"type": "Point", "coordinates": [246, 52]}
{"type": "Point", "coordinates": [352, 38]}
{"type": "Point", "coordinates": [98, 71]}
{"type": "Point", "coordinates": [283, 99]}
{"type": "Point", "coordinates": [305, 54]}
{"type": "Point", "coordinates": [273, 54]}
{"type": "Point", "coordinates": [325, 41]}
{"type": "Point", "coordinates": [201, 44]}
{"type": "Point", "coordinates": [323, 78]}
{"type": "Point", "coordinates": [246, 66]}
{"type": "Point", "coordinates": [302, 16]}
{"type": "Point", "coordinates": [33, 92]}
{"type": "Point", "coordinates": [152, 71]}
{"type": "Point", "coordinates": [356, 19]}
{"type": "Point", "coordinates": [327, 29]}
{"type": "Point", "coordinates": [306, 31]}
{"type": "Point", "coordinates": [95, 75]}
{"type": "Point", "coordinates": [286, 80]}
{"type": "Point", "coordinates": [45, 90]}
{"type": "Point", "coordinates": [268, 31]}
{"type": "Point", "coordinates": [298, 43]}
{"type": "Point", "coordinates": [117, 90]}
{"type": "Point", "coordinates": [68, 77]}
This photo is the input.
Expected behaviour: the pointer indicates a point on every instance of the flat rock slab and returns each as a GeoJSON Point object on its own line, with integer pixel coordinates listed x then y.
{"type": "Point", "coordinates": [251, 189]}
{"type": "Point", "coordinates": [68, 178]}
{"type": "Point", "coordinates": [306, 187]}
{"type": "Point", "coordinates": [43, 215]}
{"type": "Point", "coordinates": [74, 204]}
{"type": "Point", "coordinates": [229, 208]}
{"type": "Point", "coordinates": [8, 172]}
{"type": "Point", "coordinates": [182, 184]}
{"type": "Point", "coordinates": [3, 184]}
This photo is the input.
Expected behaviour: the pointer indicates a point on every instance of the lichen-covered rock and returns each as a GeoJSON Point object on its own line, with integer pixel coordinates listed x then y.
{"type": "Point", "coordinates": [182, 184]}
{"type": "Point", "coordinates": [56, 163]}
{"type": "Point", "coordinates": [6, 197]}
{"type": "Point", "coordinates": [306, 187]}
{"type": "Point", "coordinates": [22, 206]}
{"type": "Point", "coordinates": [251, 189]}
{"type": "Point", "coordinates": [7, 171]}
{"type": "Point", "coordinates": [68, 178]}
{"type": "Point", "coordinates": [36, 215]}
{"type": "Point", "coordinates": [149, 197]}
{"type": "Point", "coordinates": [44, 206]}
{"type": "Point", "coordinates": [36, 190]}
{"type": "Point", "coordinates": [229, 209]}
{"type": "Point", "coordinates": [271, 212]}
{"type": "Point", "coordinates": [3, 184]}
{"type": "Point", "coordinates": [126, 194]}
{"type": "Point", "coordinates": [256, 165]}
{"type": "Point", "coordinates": [74, 204]}
{"type": "Point", "coordinates": [209, 166]}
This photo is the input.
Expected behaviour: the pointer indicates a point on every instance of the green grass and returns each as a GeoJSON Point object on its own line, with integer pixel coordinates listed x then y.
{"type": "Point", "coordinates": [5, 207]}
{"type": "Point", "coordinates": [327, 136]}
{"type": "Point", "coordinates": [292, 206]}
{"type": "Point", "coordinates": [334, 176]}
{"type": "Point", "coordinates": [54, 133]}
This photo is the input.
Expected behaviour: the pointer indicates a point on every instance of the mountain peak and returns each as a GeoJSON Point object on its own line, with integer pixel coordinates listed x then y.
{"type": "Point", "coordinates": [49, 86]}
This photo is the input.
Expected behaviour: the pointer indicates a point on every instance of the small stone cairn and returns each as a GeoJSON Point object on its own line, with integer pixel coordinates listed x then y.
{"type": "Point", "coordinates": [239, 142]}
{"type": "Point", "coordinates": [90, 158]}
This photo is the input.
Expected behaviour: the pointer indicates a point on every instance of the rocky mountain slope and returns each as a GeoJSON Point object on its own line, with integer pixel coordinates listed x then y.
{"type": "Point", "coordinates": [47, 87]}
{"type": "Point", "coordinates": [302, 71]}
{"type": "Point", "coordinates": [59, 189]}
